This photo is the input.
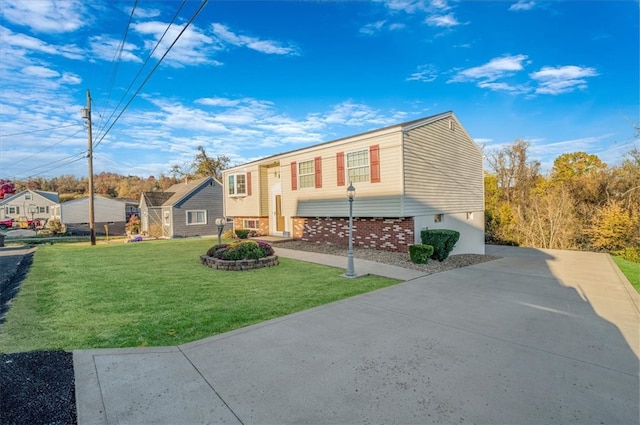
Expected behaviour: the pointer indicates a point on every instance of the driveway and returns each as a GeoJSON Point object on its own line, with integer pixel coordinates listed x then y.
{"type": "Point", "coordinates": [535, 337]}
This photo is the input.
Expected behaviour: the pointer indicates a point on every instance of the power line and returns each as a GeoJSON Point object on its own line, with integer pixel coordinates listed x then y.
{"type": "Point", "coordinates": [117, 58]}
{"type": "Point", "coordinates": [47, 147]}
{"type": "Point", "coordinates": [149, 56]}
{"type": "Point", "coordinates": [70, 159]}
{"type": "Point", "coordinates": [37, 131]}
{"type": "Point", "coordinates": [204, 2]}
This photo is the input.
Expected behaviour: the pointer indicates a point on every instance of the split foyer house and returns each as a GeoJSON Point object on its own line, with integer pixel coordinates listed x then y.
{"type": "Point", "coordinates": [425, 173]}
{"type": "Point", "coordinates": [185, 209]}
{"type": "Point", "coordinates": [38, 204]}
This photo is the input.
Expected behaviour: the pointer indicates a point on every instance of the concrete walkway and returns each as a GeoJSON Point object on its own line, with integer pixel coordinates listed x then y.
{"type": "Point", "coordinates": [538, 336]}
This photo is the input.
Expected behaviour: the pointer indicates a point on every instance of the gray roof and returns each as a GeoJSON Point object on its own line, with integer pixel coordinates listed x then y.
{"type": "Point", "coordinates": [175, 193]}
{"type": "Point", "coordinates": [49, 196]}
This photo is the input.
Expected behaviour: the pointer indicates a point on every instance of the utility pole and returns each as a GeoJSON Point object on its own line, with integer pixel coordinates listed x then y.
{"type": "Point", "coordinates": [86, 114]}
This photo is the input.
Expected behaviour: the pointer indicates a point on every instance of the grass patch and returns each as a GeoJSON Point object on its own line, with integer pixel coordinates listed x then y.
{"type": "Point", "coordinates": [630, 270]}
{"type": "Point", "coordinates": [156, 293]}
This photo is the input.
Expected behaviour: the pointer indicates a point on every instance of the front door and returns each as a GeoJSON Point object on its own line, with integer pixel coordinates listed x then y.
{"type": "Point", "coordinates": [279, 216]}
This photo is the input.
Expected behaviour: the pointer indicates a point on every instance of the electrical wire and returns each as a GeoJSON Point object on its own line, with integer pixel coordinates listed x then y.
{"type": "Point", "coordinates": [149, 56]}
{"type": "Point", "coordinates": [204, 2]}
{"type": "Point", "coordinates": [70, 160]}
{"type": "Point", "coordinates": [37, 131]}
{"type": "Point", "coordinates": [117, 58]}
{"type": "Point", "coordinates": [47, 147]}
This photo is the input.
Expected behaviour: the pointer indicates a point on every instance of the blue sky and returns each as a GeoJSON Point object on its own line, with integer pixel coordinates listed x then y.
{"type": "Point", "coordinates": [251, 79]}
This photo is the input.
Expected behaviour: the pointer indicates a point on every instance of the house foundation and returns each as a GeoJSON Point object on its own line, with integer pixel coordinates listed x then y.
{"type": "Point", "coordinates": [388, 234]}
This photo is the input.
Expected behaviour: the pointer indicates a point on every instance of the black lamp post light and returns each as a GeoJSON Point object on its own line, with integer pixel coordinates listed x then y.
{"type": "Point", "coordinates": [351, 193]}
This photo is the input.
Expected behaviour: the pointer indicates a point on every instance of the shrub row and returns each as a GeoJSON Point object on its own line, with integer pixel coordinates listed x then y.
{"type": "Point", "coordinates": [442, 241]}
{"type": "Point", "coordinates": [631, 253]}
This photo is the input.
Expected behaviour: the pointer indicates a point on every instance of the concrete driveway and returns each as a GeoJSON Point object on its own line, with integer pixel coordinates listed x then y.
{"type": "Point", "coordinates": [537, 337]}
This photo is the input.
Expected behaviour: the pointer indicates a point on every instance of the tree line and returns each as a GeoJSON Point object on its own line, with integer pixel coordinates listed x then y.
{"type": "Point", "coordinates": [582, 203]}
{"type": "Point", "coordinates": [114, 185]}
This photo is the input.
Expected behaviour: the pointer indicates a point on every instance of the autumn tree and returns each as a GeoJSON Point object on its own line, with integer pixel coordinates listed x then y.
{"type": "Point", "coordinates": [204, 165]}
{"type": "Point", "coordinates": [614, 227]}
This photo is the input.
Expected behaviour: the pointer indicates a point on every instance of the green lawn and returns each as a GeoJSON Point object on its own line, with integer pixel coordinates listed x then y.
{"type": "Point", "coordinates": [630, 270]}
{"type": "Point", "coordinates": [156, 293]}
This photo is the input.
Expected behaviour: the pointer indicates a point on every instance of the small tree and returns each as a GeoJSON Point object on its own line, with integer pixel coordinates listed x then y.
{"type": "Point", "coordinates": [133, 225]}
{"type": "Point", "coordinates": [613, 228]}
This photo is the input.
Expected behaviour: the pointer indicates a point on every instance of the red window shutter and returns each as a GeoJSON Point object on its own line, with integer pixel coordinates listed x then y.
{"type": "Point", "coordinates": [340, 166]}
{"type": "Point", "coordinates": [318, 166]}
{"type": "Point", "coordinates": [374, 158]}
{"type": "Point", "coordinates": [294, 176]}
{"type": "Point", "coordinates": [249, 183]}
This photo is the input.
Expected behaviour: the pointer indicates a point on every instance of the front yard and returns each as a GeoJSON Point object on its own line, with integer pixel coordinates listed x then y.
{"type": "Point", "coordinates": [156, 293]}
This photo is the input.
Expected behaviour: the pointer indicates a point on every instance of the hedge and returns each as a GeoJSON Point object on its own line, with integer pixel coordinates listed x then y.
{"type": "Point", "coordinates": [442, 241]}
{"type": "Point", "coordinates": [420, 253]}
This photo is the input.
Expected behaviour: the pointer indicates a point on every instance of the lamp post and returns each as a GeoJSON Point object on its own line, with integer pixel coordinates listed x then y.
{"type": "Point", "coordinates": [220, 222]}
{"type": "Point", "coordinates": [351, 193]}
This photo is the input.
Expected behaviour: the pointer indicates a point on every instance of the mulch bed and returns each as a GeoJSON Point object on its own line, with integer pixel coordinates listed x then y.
{"type": "Point", "coordinates": [37, 387]}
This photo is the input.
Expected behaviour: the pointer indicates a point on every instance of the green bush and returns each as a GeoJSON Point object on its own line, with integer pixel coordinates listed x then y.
{"type": "Point", "coordinates": [442, 241]}
{"type": "Point", "coordinates": [240, 250]}
{"type": "Point", "coordinates": [420, 253]}
{"type": "Point", "coordinates": [631, 253]}
{"type": "Point", "coordinates": [242, 233]}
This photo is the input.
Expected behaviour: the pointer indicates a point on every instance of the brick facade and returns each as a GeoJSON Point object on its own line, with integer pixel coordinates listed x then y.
{"type": "Point", "coordinates": [263, 224]}
{"type": "Point", "coordinates": [388, 234]}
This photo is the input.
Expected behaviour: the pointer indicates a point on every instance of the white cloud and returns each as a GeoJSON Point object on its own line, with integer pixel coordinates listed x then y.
{"type": "Point", "coordinates": [503, 87]}
{"type": "Point", "coordinates": [40, 72]}
{"type": "Point", "coordinates": [494, 69]}
{"type": "Point", "coordinates": [563, 79]}
{"type": "Point", "coordinates": [522, 5]}
{"type": "Point", "coordinates": [372, 28]}
{"type": "Point", "coordinates": [407, 6]}
{"type": "Point", "coordinates": [448, 20]}
{"type": "Point", "coordinates": [46, 16]}
{"type": "Point", "coordinates": [9, 39]}
{"type": "Point", "coordinates": [425, 74]}
{"type": "Point", "coordinates": [106, 48]}
{"type": "Point", "coordinates": [224, 34]}
{"type": "Point", "coordinates": [376, 27]}
{"type": "Point", "coordinates": [193, 48]}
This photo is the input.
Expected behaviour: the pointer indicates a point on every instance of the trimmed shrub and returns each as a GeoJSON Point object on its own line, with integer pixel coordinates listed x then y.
{"type": "Point", "coordinates": [242, 233]}
{"type": "Point", "coordinates": [241, 250]}
{"type": "Point", "coordinates": [442, 241]}
{"type": "Point", "coordinates": [420, 253]}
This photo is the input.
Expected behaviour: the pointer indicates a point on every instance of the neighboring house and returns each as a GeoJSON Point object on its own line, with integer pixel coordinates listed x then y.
{"type": "Point", "coordinates": [185, 209]}
{"type": "Point", "coordinates": [420, 174]}
{"type": "Point", "coordinates": [111, 212]}
{"type": "Point", "coordinates": [37, 204]}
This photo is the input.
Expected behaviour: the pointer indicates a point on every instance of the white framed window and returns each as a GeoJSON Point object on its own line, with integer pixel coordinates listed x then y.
{"type": "Point", "coordinates": [27, 196]}
{"type": "Point", "coordinates": [358, 166]}
{"type": "Point", "coordinates": [13, 210]}
{"type": "Point", "coordinates": [250, 224]}
{"type": "Point", "coordinates": [196, 217]}
{"type": "Point", "coordinates": [43, 210]}
{"type": "Point", "coordinates": [438, 218]}
{"type": "Point", "coordinates": [237, 184]}
{"type": "Point", "coordinates": [306, 174]}
{"type": "Point", "coordinates": [167, 218]}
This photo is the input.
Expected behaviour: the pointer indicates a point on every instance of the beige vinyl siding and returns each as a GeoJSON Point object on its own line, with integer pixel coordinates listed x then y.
{"type": "Point", "coordinates": [330, 200]}
{"type": "Point", "coordinates": [239, 206]}
{"type": "Point", "coordinates": [442, 169]}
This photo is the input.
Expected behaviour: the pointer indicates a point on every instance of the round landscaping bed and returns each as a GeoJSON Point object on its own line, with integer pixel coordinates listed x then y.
{"type": "Point", "coordinates": [248, 264]}
{"type": "Point", "coordinates": [240, 255]}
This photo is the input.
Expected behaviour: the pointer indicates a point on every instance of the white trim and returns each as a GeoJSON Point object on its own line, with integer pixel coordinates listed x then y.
{"type": "Point", "coordinates": [312, 174]}
{"type": "Point", "coordinates": [204, 212]}
{"type": "Point", "coordinates": [346, 165]}
{"type": "Point", "coordinates": [235, 184]}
